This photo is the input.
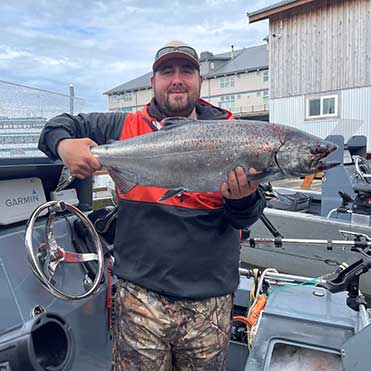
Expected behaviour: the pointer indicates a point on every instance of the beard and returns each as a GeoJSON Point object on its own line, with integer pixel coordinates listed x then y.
{"type": "Point", "coordinates": [179, 106]}
{"type": "Point", "coordinates": [173, 105]}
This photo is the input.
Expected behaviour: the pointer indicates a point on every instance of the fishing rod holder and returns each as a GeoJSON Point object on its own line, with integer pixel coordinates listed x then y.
{"type": "Point", "coordinates": [348, 280]}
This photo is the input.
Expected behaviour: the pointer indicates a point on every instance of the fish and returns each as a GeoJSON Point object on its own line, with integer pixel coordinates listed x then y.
{"type": "Point", "coordinates": [196, 155]}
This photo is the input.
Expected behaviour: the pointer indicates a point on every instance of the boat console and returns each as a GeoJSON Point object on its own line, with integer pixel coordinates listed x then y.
{"type": "Point", "coordinates": [56, 312]}
{"type": "Point", "coordinates": [39, 331]}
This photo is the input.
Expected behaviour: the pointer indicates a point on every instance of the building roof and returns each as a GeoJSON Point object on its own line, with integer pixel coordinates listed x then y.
{"type": "Point", "coordinates": [246, 59]}
{"type": "Point", "coordinates": [141, 82]}
{"type": "Point", "coordinates": [268, 11]}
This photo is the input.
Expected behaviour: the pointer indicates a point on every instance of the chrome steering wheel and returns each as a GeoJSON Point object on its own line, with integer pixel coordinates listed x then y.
{"type": "Point", "coordinates": [45, 262]}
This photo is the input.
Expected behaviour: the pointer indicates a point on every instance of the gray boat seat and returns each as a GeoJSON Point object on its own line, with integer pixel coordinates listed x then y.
{"type": "Point", "coordinates": [362, 188]}
{"type": "Point", "coordinates": [296, 201]}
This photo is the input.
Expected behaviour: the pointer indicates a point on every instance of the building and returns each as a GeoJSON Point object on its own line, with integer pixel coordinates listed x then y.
{"type": "Point", "coordinates": [237, 80]}
{"type": "Point", "coordinates": [320, 65]}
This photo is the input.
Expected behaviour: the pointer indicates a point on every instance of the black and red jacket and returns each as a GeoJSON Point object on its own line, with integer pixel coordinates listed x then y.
{"type": "Point", "coordinates": [184, 247]}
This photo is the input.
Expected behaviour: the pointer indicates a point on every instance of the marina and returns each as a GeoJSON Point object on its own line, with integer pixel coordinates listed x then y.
{"type": "Point", "coordinates": [175, 221]}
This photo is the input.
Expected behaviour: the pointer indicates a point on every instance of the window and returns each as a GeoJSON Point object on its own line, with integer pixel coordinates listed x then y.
{"type": "Point", "coordinates": [227, 82]}
{"type": "Point", "coordinates": [265, 75]}
{"type": "Point", "coordinates": [322, 106]}
{"type": "Point", "coordinates": [118, 98]}
{"type": "Point", "coordinates": [329, 106]}
{"type": "Point", "coordinates": [127, 97]}
{"type": "Point", "coordinates": [227, 101]}
{"type": "Point", "coordinates": [314, 107]}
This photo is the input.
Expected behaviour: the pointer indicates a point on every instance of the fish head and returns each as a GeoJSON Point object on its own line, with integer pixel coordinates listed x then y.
{"type": "Point", "coordinates": [303, 155]}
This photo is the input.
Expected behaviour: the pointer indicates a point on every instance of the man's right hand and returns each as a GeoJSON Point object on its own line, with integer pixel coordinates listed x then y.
{"type": "Point", "coordinates": [76, 155]}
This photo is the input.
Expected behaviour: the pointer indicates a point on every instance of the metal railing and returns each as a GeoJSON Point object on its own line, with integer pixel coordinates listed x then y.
{"type": "Point", "coordinates": [23, 113]}
{"type": "Point", "coordinates": [254, 108]}
{"type": "Point", "coordinates": [18, 100]}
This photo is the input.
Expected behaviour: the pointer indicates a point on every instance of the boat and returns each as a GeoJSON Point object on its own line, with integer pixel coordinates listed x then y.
{"type": "Point", "coordinates": [39, 331]}
{"type": "Point", "coordinates": [57, 286]}
{"type": "Point", "coordinates": [341, 210]}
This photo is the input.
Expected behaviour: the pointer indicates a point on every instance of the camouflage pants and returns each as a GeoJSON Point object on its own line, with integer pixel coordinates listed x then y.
{"type": "Point", "coordinates": [154, 333]}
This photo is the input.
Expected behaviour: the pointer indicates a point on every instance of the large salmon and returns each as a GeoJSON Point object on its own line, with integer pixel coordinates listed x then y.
{"type": "Point", "coordinates": [196, 156]}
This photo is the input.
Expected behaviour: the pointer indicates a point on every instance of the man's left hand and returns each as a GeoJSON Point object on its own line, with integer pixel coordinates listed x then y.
{"type": "Point", "coordinates": [237, 185]}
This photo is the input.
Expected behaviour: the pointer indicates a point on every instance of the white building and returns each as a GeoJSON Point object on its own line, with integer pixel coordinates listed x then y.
{"type": "Point", "coordinates": [237, 80]}
{"type": "Point", "coordinates": [320, 65]}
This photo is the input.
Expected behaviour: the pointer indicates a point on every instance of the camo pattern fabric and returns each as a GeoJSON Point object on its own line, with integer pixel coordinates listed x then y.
{"type": "Point", "coordinates": [154, 333]}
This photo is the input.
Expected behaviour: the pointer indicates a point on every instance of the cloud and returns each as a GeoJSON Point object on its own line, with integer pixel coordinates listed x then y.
{"type": "Point", "coordinates": [97, 45]}
{"type": "Point", "coordinates": [7, 53]}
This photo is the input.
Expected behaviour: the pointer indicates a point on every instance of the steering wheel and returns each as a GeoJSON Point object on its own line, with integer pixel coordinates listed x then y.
{"type": "Point", "coordinates": [362, 169]}
{"type": "Point", "coordinates": [45, 262]}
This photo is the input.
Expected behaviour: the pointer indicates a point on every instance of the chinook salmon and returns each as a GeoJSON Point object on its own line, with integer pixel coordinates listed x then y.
{"type": "Point", "coordinates": [196, 156]}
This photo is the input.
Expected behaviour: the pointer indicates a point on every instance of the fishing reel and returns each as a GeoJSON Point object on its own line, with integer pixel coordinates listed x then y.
{"type": "Point", "coordinates": [47, 258]}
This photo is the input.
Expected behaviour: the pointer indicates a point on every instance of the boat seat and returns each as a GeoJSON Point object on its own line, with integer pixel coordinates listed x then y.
{"type": "Point", "coordinates": [291, 201]}
{"type": "Point", "coordinates": [364, 188]}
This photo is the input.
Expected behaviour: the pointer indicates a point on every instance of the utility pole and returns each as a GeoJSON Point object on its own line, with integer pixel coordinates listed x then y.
{"type": "Point", "coordinates": [72, 98]}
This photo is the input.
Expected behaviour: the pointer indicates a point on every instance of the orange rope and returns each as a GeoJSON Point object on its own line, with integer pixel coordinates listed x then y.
{"type": "Point", "coordinates": [254, 312]}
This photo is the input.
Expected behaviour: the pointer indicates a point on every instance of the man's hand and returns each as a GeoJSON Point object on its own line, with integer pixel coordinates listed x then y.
{"type": "Point", "coordinates": [76, 155]}
{"type": "Point", "coordinates": [237, 185]}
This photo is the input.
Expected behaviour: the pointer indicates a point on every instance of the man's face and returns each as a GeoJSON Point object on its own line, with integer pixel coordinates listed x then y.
{"type": "Point", "coordinates": [177, 85]}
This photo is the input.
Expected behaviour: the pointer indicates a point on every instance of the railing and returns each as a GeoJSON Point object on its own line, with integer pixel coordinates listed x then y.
{"type": "Point", "coordinates": [21, 101]}
{"type": "Point", "coordinates": [23, 113]}
{"type": "Point", "coordinates": [257, 108]}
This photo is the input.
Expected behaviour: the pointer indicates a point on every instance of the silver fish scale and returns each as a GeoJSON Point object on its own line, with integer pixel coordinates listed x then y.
{"type": "Point", "coordinates": [195, 156]}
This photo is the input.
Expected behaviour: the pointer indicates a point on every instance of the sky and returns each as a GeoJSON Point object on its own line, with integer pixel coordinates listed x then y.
{"type": "Point", "coordinates": [99, 44]}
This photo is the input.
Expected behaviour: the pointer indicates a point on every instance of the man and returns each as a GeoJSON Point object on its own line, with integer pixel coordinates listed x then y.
{"type": "Point", "coordinates": [176, 260]}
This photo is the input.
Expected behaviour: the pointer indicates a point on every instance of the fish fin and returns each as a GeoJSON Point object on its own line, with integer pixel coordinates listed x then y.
{"type": "Point", "coordinates": [121, 182]}
{"type": "Point", "coordinates": [171, 193]}
{"type": "Point", "coordinates": [65, 179]}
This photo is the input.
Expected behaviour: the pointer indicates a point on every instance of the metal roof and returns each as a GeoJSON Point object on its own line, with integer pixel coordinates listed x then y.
{"type": "Point", "coordinates": [141, 82]}
{"type": "Point", "coordinates": [247, 59]}
{"type": "Point", "coordinates": [275, 8]}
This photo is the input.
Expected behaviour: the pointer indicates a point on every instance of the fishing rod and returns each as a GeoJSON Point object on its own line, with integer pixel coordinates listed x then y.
{"type": "Point", "coordinates": [358, 243]}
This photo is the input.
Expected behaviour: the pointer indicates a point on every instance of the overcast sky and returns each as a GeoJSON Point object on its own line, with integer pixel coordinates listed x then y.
{"type": "Point", "coordinates": [97, 45]}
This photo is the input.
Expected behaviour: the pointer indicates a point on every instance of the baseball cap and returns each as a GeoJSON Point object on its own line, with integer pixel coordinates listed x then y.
{"type": "Point", "coordinates": [175, 49]}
